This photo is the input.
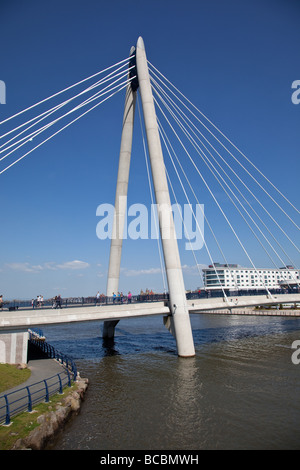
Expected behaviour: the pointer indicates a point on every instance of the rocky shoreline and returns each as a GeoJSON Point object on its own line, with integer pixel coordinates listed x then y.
{"type": "Point", "coordinates": [52, 422]}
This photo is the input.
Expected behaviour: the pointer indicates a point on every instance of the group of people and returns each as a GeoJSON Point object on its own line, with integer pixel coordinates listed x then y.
{"type": "Point", "coordinates": [39, 302]}
{"type": "Point", "coordinates": [120, 297]}
{"type": "Point", "coordinates": [101, 298]}
{"type": "Point", "coordinates": [147, 292]}
{"type": "Point", "coordinates": [56, 303]}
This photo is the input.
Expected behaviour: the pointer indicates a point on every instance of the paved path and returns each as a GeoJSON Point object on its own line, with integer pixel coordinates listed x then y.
{"type": "Point", "coordinates": [40, 369]}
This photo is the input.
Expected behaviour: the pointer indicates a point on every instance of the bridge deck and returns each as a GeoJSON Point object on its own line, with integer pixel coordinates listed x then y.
{"type": "Point", "coordinates": [45, 316]}
{"type": "Point", "coordinates": [38, 317]}
{"type": "Point", "coordinates": [216, 303]}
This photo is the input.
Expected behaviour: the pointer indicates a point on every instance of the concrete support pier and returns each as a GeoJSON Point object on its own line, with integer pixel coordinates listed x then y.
{"type": "Point", "coordinates": [120, 201]}
{"type": "Point", "coordinates": [178, 304]}
{"type": "Point", "coordinates": [179, 322]}
{"type": "Point", "coordinates": [13, 347]}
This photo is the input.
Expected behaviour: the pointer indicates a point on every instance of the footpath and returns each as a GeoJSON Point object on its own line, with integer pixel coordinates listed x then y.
{"type": "Point", "coordinates": [42, 369]}
{"type": "Point", "coordinates": [52, 421]}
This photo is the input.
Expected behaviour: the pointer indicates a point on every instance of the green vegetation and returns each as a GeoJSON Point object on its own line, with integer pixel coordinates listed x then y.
{"type": "Point", "coordinates": [11, 376]}
{"type": "Point", "coordinates": [22, 424]}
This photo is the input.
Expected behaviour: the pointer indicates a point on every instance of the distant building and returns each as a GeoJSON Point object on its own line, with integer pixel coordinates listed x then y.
{"type": "Point", "coordinates": [233, 276]}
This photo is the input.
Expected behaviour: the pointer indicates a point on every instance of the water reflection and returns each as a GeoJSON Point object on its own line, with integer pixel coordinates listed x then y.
{"type": "Point", "coordinates": [109, 347]}
{"type": "Point", "coordinates": [184, 402]}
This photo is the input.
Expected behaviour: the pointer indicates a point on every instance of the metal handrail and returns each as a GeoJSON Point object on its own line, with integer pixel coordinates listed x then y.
{"type": "Point", "coordinates": [146, 297]}
{"type": "Point", "coordinates": [24, 398]}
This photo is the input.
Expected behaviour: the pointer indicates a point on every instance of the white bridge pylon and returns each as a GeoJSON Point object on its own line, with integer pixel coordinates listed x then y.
{"type": "Point", "coordinates": [180, 325]}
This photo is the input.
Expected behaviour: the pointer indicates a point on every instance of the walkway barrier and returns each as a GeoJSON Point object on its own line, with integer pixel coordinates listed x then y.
{"type": "Point", "coordinates": [25, 398]}
{"type": "Point", "coordinates": [82, 301]}
{"type": "Point", "coordinates": [145, 297]}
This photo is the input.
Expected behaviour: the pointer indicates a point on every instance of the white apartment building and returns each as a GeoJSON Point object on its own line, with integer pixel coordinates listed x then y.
{"type": "Point", "coordinates": [233, 276]}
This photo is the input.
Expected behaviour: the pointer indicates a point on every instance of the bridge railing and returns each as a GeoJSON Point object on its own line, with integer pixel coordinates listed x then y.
{"type": "Point", "coordinates": [146, 297]}
{"type": "Point", "coordinates": [23, 399]}
{"type": "Point", "coordinates": [83, 301]}
{"type": "Point", "coordinates": [204, 294]}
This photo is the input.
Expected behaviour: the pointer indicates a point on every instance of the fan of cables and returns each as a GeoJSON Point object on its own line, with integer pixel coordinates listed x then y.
{"type": "Point", "coordinates": [221, 166]}
{"type": "Point", "coordinates": [30, 135]}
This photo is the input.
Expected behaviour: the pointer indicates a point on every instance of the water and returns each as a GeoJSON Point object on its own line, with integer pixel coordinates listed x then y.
{"type": "Point", "coordinates": [241, 391]}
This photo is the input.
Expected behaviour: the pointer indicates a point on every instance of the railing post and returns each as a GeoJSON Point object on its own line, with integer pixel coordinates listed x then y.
{"type": "Point", "coordinates": [47, 392]}
{"type": "Point", "coordinates": [69, 378]}
{"type": "Point", "coordinates": [7, 418]}
{"type": "Point", "coordinates": [60, 384]}
{"type": "Point", "coordinates": [29, 409]}
{"type": "Point", "coordinates": [74, 370]}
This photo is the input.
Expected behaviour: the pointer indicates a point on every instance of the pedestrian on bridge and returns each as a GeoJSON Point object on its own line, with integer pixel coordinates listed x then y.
{"type": "Point", "coordinates": [58, 301]}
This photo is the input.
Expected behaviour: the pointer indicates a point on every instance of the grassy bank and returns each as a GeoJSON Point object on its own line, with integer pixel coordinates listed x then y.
{"type": "Point", "coordinates": [11, 376]}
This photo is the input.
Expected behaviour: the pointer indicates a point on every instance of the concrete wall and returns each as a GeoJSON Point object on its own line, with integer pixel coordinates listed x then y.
{"type": "Point", "coordinates": [13, 347]}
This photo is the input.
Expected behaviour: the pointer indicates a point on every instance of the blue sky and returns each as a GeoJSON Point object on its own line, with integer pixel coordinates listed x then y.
{"type": "Point", "coordinates": [235, 60]}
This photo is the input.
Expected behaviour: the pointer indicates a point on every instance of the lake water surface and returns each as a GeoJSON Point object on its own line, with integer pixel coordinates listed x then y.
{"type": "Point", "coordinates": [240, 391]}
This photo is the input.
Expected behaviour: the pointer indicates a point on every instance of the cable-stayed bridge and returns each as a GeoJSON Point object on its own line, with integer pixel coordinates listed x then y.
{"type": "Point", "coordinates": [200, 150]}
